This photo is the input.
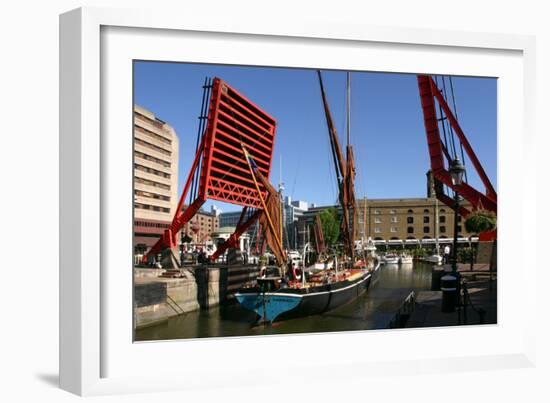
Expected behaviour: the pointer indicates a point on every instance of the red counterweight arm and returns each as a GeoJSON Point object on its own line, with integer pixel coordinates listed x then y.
{"type": "Point", "coordinates": [234, 238]}
{"type": "Point", "coordinates": [168, 238]}
{"type": "Point", "coordinates": [428, 94]}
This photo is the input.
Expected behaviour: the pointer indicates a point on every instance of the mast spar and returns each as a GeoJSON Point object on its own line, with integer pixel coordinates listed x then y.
{"type": "Point", "coordinates": [345, 170]}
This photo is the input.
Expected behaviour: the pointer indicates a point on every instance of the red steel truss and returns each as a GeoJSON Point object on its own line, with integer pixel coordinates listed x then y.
{"type": "Point", "coordinates": [429, 94]}
{"type": "Point", "coordinates": [232, 120]}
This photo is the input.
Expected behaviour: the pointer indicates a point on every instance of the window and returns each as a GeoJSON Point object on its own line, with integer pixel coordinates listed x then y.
{"type": "Point", "coordinates": [442, 229]}
{"type": "Point", "coordinates": [376, 211]}
{"type": "Point", "coordinates": [442, 211]}
{"type": "Point", "coordinates": [459, 228]}
{"type": "Point", "coordinates": [394, 219]}
{"type": "Point", "coordinates": [426, 220]}
{"type": "Point", "coordinates": [377, 230]}
{"type": "Point", "coordinates": [426, 230]}
{"type": "Point", "coordinates": [377, 220]}
{"type": "Point", "coordinates": [426, 211]}
{"type": "Point", "coordinates": [393, 229]}
{"type": "Point", "coordinates": [410, 230]}
{"type": "Point", "coordinates": [442, 219]}
{"type": "Point", "coordinates": [392, 211]}
{"type": "Point", "coordinates": [409, 211]}
{"type": "Point", "coordinates": [410, 220]}
{"type": "Point", "coordinates": [459, 218]}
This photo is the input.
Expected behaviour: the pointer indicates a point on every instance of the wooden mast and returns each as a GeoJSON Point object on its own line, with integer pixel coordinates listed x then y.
{"type": "Point", "coordinates": [345, 171]}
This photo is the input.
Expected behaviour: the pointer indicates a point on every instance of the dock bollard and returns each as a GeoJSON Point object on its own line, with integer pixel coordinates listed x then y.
{"type": "Point", "coordinates": [449, 284]}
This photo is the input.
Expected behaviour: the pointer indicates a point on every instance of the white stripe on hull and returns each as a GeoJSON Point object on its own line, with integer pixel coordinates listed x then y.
{"type": "Point", "coordinates": [284, 294]}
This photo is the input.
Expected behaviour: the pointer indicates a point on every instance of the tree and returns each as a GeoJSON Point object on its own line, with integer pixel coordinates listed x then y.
{"type": "Point", "coordinates": [480, 221]}
{"type": "Point", "coordinates": [330, 226]}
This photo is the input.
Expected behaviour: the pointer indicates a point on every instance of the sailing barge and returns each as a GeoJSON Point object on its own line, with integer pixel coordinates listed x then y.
{"type": "Point", "coordinates": [279, 295]}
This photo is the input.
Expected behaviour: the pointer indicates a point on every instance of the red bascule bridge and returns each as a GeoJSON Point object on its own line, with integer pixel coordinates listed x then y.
{"type": "Point", "coordinates": [234, 151]}
{"type": "Point", "coordinates": [442, 128]}
{"type": "Point", "coordinates": [232, 164]}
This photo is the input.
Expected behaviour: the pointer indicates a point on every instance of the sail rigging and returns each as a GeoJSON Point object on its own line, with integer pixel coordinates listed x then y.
{"type": "Point", "coordinates": [344, 168]}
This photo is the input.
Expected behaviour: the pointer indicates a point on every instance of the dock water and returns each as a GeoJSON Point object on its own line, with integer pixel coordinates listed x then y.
{"type": "Point", "coordinates": [375, 309]}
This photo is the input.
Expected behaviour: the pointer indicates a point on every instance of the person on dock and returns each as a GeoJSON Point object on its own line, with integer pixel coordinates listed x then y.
{"type": "Point", "coordinates": [446, 254]}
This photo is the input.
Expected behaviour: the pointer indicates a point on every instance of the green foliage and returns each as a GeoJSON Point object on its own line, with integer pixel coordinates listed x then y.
{"type": "Point", "coordinates": [263, 261]}
{"type": "Point", "coordinates": [480, 221]}
{"type": "Point", "coordinates": [330, 225]}
{"type": "Point", "coordinates": [419, 252]}
{"type": "Point", "coordinates": [465, 254]}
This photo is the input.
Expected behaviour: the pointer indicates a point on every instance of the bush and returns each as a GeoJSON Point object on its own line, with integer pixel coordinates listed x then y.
{"type": "Point", "coordinates": [464, 254]}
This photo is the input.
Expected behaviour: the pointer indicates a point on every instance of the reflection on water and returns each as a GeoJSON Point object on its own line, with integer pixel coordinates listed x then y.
{"type": "Point", "coordinates": [372, 310]}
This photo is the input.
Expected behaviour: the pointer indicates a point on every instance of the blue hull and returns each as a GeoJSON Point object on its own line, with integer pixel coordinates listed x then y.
{"type": "Point", "coordinates": [268, 306]}
{"type": "Point", "coordinates": [288, 303]}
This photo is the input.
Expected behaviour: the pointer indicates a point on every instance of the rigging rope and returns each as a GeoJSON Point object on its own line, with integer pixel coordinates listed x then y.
{"type": "Point", "coordinates": [456, 116]}
{"type": "Point", "coordinates": [450, 128]}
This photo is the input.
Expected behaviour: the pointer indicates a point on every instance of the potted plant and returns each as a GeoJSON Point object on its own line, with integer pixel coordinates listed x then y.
{"type": "Point", "coordinates": [484, 223]}
{"type": "Point", "coordinates": [481, 221]}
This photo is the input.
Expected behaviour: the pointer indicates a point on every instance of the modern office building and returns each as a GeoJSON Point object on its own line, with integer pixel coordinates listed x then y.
{"type": "Point", "coordinates": [156, 147]}
{"type": "Point", "coordinates": [292, 211]}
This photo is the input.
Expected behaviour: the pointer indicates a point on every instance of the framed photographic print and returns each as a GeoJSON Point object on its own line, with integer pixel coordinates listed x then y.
{"type": "Point", "coordinates": [238, 200]}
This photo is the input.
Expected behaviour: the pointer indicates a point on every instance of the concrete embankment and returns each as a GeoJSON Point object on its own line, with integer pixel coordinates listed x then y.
{"type": "Point", "coordinates": [156, 298]}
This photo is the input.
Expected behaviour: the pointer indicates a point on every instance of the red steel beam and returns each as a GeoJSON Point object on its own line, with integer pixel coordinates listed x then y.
{"type": "Point", "coordinates": [437, 151]}
{"type": "Point", "coordinates": [234, 238]}
{"type": "Point", "coordinates": [469, 150]}
{"type": "Point", "coordinates": [232, 120]}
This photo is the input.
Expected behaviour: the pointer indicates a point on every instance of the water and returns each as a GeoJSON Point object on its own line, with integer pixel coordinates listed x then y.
{"type": "Point", "coordinates": [373, 310]}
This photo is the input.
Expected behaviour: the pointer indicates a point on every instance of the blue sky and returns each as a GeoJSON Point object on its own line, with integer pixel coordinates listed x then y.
{"type": "Point", "coordinates": [387, 129]}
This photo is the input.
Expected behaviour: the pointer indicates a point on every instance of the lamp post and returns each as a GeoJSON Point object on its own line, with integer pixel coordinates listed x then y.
{"type": "Point", "coordinates": [457, 172]}
{"type": "Point", "coordinates": [450, 282]}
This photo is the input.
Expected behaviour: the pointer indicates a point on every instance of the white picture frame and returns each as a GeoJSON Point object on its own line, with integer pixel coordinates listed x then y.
{"type": "Point", "coordinates": [96, 354]}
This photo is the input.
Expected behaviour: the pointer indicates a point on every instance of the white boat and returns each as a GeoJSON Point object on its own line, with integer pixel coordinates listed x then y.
{"type": "Point", "coordinates": [436, 259]}
{"type": "Point", "coordinates": [390, 258]}
{"type": "Point", "coordinates": [405, 259]}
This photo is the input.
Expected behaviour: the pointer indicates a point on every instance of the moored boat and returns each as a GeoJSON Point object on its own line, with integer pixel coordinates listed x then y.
{"type": "Point", "coordinates": [405, 259]}
{"type": "Point", "coordinates": [390, 258]}
{"type": "Point", "coordinates": [435, 258]}
{"type": "Point", "coordinates": [272, 299]}
{"type": "Point", "coordinates": [300, 291]}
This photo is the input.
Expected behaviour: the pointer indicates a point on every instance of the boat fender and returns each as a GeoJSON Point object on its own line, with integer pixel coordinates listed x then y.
{"type": "Point", "coordinates": [263, 271]}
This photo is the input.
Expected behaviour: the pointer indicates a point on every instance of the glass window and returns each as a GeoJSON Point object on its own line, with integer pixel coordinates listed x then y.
{"type": "Point", "coordinates": [426, 220]}
{"type": "Point", "coordinates": [409, 211]}
{"type": "Point", "coordinates": [410, 220]}
{"type": "Point", "coordinates": [377, 230]}
{"type": "Point", "coordinates": [442, 229]}
{"type": "Point", "coordinates": [376, 211]}
{"type": "Point", "coordinates": [426, 230]}
{"type": "Point", "coordinates": [377, 220]}
{"type": "Point", "coordinates": [410, 230]}
{"type": "Point", "coordinates": [393, 229]}
{"type": "Point", "coordinates": [426, 211]}
{"type": "Point", "coordinates": [394, 219]}
{"type": "Point", "coordinates": [442, 219]}
{"type": "Point", "coordinates": [392, 211]}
